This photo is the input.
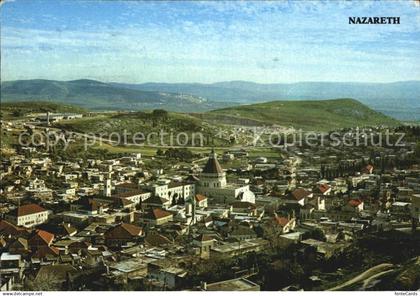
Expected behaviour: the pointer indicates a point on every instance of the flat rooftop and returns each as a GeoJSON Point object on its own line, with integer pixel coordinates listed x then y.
{"type": "Point", "coordinates": [240, 284]}
{"type": "Point", "coordinates": [245, 244]}
{"type": "Point", "coordinates": [9, 257]}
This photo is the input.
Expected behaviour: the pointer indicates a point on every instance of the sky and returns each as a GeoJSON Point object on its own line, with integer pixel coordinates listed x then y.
{"type": "Point", "coordinates": [265, 42]}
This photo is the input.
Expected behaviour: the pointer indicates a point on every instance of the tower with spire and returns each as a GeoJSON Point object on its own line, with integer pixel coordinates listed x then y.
{"type": "Point", "coordinates": [212, 184]}
{"type": "Point", "coordinates": [212, 175]}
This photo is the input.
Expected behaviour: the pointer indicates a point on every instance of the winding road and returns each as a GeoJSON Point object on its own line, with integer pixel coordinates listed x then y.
{"type": "Point", "coordinates": [366, 276]}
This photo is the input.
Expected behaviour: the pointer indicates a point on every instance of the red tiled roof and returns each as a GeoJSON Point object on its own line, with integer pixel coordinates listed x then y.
{"type": "Point", "coordinates": [367, 169]}
{"type": "Point", "coordinates": [10, 229]}
{"type": "Point", "coordinates": [157, 240]}
{"type": "Point", "coordinates": [243, 205]}
{"type": "Point", "coordinates": [45, 236]}
{"type": "Point", "coordinates": [132, 229]}
{"type": "Point", "coordinates": [157, 214]}
{"type": "Point", "coordinates": [89, 204]}
{"type": "Point", "coordinates": [29, 210]}
{"type": "Point", "coordinates": [127, 185]}
{"type": "Point", "coordinates": [156, 200]}
{"type": "Point", "coordinates": [282, 221]}
{"type": "Point", "coordinates": [130, 193]}
{"type": "Point", "coordinates": [300, 193]}
{"type": "Point", "coordinates": [355, 202]}
{"type": "Point", "coordinates": [123, 231]}
{"type": "Point", "coordinates": [323, 188]}
{"type": "Point", "coordinates": [200, 197]}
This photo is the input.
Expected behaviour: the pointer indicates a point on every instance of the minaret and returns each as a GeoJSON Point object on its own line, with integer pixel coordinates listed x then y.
{"type": "Point", "coordinates": [107, 187]}
{"type": "Point", "coordinates": [190, 205]}
{"type": "Point", "coordinates": [48, 117]}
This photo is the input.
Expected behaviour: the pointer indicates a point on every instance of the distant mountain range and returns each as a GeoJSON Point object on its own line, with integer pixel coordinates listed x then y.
{"type": "Point", "coordinates": [97, 95]}
{"type": "Point", "coordinates": [399, 99]}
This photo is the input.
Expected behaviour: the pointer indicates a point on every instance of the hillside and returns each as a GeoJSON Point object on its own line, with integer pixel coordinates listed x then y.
{"type": "Point", "coordinates": [310, 115]}
{"type": "Point", "coordinates": [17, 109]}
{"type": "Point", "coordinates": [155, 127]}
{"type": "Point", "coordinates": [97, 95]}
{"type": "Point", "coordinates": [398, 99]}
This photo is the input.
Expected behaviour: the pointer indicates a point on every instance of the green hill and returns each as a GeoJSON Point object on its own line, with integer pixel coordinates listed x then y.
{"type": "Point", "coordinates": [400, 100]}
{"type": "Point", "coordinates": [157, 126]}
{"type": "Point", "coordinates": [18, 109]}
{"type": "Point", "coordinates": [322, 115]}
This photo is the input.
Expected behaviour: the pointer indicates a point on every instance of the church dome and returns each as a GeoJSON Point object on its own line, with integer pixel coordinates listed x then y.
{"type": "Point", "coordinates": [212, 166]}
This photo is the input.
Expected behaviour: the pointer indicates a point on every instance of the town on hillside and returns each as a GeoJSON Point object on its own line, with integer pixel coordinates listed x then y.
{"type": "Point", "coordinates": [297, 218]}
{"type": "Point", "coordinates": [171, 146]}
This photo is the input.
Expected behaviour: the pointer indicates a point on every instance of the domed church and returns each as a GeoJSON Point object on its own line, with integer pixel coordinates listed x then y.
{"type": "Point", "coordinates": [213, 184]}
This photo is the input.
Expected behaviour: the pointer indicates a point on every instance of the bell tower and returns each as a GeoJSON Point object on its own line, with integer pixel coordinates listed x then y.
{"type": "Point", "coordinates": [107, 187]}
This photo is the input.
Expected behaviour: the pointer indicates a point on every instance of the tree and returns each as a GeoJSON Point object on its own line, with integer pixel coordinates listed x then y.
{"type": "Point", "coordinates": [160, 114]}
{"type": "Point", "coordinates": [47, 281]}
{"type": "Point", "coordinates": [182, 154]}
{"type": "Point", "coordinates": [18, 113]}
{"type": "Point", "coordinates": [272, 233]}
{"type": "Point", "coordinates": [417, 150]}
{"type": "Point", "coordinates": [317, 234]}
{"type": "Point", "coordinates": [282, 273]}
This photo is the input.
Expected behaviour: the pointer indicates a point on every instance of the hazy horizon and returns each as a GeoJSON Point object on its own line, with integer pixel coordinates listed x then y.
{"type": "Point", "coordinates": [216, 82]}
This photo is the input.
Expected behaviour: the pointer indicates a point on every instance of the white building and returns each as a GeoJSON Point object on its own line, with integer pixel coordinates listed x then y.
{"type": "Point", "coordinates": [213, 184]}
{"type": "Point", "coordinates": [173, 190]}
{"type": "Point", "coordinates": [28, 215]}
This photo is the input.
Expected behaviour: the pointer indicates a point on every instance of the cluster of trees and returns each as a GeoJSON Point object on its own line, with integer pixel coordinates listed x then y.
{"type": "Point", "coordinates": [274, 173]}
{"type": "Point", "coordinates": [279, 266]}
{"type": "Point", "coordinates": [273, 270]}
{"type": "Point", "coordinates": [343, 169]}
{"type": "Point", "coordinates": [380, 163]}
{"type": "Point", "coordinates": [409, 131]}
{"type": "Point", "coordinates": [182, 154]}
{"type": "Point", "coordinates": [156, 116]}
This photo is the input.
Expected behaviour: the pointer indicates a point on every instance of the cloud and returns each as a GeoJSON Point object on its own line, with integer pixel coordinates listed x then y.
{"type": "Point", "coordinates": [263, 41]}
